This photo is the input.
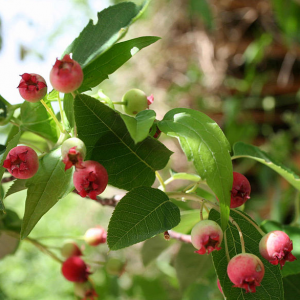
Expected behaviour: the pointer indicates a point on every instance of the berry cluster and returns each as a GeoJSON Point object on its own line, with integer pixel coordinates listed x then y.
{"type": "Point", "coordinates": [75, 269]}
{"type": "Point", "coordinates": [245, 270]}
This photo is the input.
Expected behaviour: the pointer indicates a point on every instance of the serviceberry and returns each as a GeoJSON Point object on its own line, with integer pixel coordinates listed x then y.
{"type": "Point", "coordinates": [246, 271]}
{"type": "Point", "coordinates": [240, 191]}
{"type": "Point", "coordinates": [73, 152]}
{"type": "Point", "coordinates": [276, 247]}
{"type": "Point", "coordinates": [85, 291]}
{"type": "Point", "coordinates": [206, 236]}
{"type": "Point", "coordinates": [32, 87]}
{"type": "Point", "coordinates": [95, 236]}
{"type": "Point", "coordinates": [70, 249]}
{"type": "Point", "coordinates": [219, 286]}
{"type": "Point", "coordinates": [135, 101]}
{"type": "Point", "coordinates": [22, 162]}
{"type": "Point", "coordinates": [66, 75]}
{"type": "Point", "coordinates": [74, 269]}
{"type": "Point", "coordinates": [91, 180]}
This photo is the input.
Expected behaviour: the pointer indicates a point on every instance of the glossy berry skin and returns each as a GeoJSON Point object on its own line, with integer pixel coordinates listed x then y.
{"type": "Point", "coordinates": [241, 190]}
{"type": "Point", "coordinates": [70, 249]}
{"type": "Point", "coordinates": [276, 247]}
{"type": "Point", "coordinates": [74, 269]}
{"type": "Point", "coordinates": [85, 291]}
{"type": "Point", "coordinates": [66, 75]}
{"type": "Point", "coordinates": [22, 162]}
{"type": "Point", "coordinates": [32, 87]}
{"type": "Point", "coordinates": [73, 152]}
{"type": "Point", "coordinates": [246, 271]}
{"type": "Point", "coordinates": [206, 236]}
{"type": "Point", "coordinates": [91, 180]}
{"type": "Point", "coordinates": [135, 101]}
{"type": "Point", "coordinates": [95, 236]}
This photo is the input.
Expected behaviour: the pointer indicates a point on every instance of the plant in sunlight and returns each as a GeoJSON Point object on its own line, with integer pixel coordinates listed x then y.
{"type": "Point", "coordinates": [111, 146]}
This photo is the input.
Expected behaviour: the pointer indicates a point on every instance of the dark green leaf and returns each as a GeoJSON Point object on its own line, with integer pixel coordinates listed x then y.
{"type": "Point", "coordinates": [271, 286]}
{"type": "Point", "coordinates": [113, 59]}
{"type": "Point", "coordinates": [50, 184]}
{"type": "Point", "coordinates": [140, 125]}
{"type": "Point", "coordinates": [108, 142]}
{"type": "Point", "coordinates": [290, 268]}
{"type": "Point", "coordinates": [11, 144]}
{"type": "Point", "coordinates": [190, 266]}
{"type": "Point", "coordinates": [35, 118]}
{"type": "Point", "coordinates": [112, 25]}
{"type": "Point", "coordinates": [291, 287]}
{"type": "Point", "coordinates": [244, 150]}
{"type": "Point", "coordinates": [153, 247]}
{"type": "Point", "coordinates": [11, 221]}
{"type": "Point", "coordinates": [17, 186]}
{"type": "Point", "coordinates": [205, 144]}
{"type": "Point", "coordinates": [143, 213]}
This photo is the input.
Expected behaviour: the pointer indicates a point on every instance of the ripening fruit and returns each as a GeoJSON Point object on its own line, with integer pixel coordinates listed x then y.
{"type": "Point", "coordinates": [22, 162]}
{"type": "Point", "coordinates": [206, 236]}
{"type": "Point", "coordinates": [135, 101]}
{"type": "Point", "coordinates": [241, 190]}
{"type": "Point", "coordinates": [73, 152]}
{"type": "Point", "coordinates": [91, 180]}
{"type": "Point", "coordinates": [32, 87]}
{"type": "Point", "coordinates": [276, 247]}
{"type": "Point", "coordinates": [219, 286]}
{"type": "Point", "coordinates": [246, 271]}
{"type": "Point", "coordinates": [74, 269]}
{"type": "Point", "coordinates": [95, 236]}
{"type": "Point", "coordinates": [66, 75]}
{"type": "Point", "coordinates": [85, 291]}
{"type": "Point", "coordinates": [70, 249]}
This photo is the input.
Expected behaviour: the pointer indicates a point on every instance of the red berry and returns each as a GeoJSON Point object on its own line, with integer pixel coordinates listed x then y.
{"type": "Point", "coordinates": [22, 162]}
{"type": "Point", "coordinates": [91, 180]}
{"type": "Point", "coordinates": [219, 286]}
{"type": "Point", "coordinates": [276, 247]}
{"type": "Point", "coordinates": [95, 236]}
{"type": "Point", "coordinates": [206, 236]}
{"type": "Point", "coordinates": [246, 271]}
{"type": "Point", "coordinates": [70, 249]}
{"type": "Point", "coordinates": [32, 87]}
{"type": "Point", "coordinates": [241, 190]}
{"type": "Point", "coordinates": [66, 75]}
{"type": "Point", "coordinates": [74, 269]}
{"type": "Point", "coordinates": [85, 291]}
{"type": "Point", "coordinates": [73, 152]}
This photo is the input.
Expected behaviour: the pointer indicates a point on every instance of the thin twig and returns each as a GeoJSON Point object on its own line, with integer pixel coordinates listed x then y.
{"type": "Point", "coordinates": [186, 238]}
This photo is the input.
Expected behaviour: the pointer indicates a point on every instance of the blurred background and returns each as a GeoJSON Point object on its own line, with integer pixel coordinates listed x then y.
{"type": "Point", "coordinates": [235, 60]}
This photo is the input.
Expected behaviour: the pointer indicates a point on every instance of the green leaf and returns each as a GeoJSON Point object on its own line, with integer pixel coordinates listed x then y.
{"type": "Point", "coordinates": [153, 247]}
{"type": "Point", "coordinates": [69, 108]}
{"type": "Point", "coordinates": [291, 287]}
{"type": "Point", "coordinates": [107, 141]}
{"type": "Point", "coordinates": [113, 59]}
{"type": "Point", "coordinates": [244, 150]}
{"type": "Point", "coordinates": [50, 184]}
{"type": "Point", "coordinates": [205, 144]}
{"type": "Point", "coordinates": [11, 144]}
{"type": "Point", "coordinates": [112, 25]}
{"type": "Point", "coordinates": [190, 266]}
{"type": "Point", "coordinates": [290, 268]}
{"type": "Point", "coordinates": [17, 186]}
{"type": "Point", "coordinates": [188, 221]}
{"type": "Point", "coordinates": [140, 125]}
{"type": "Point", "coordinates": [143, 213]}
{"type": "Point", "coordinates": [3, 109]}
{"type": "Point", "coordinates": [35, 118]}
{"type": "Point", "coordinates": [271, 286]}
{"type": "Point", "coordinates": [10, 221]}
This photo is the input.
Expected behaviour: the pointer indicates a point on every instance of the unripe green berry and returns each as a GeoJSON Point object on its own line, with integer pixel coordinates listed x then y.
{"type": "Point", "coordinates": [135, 101]}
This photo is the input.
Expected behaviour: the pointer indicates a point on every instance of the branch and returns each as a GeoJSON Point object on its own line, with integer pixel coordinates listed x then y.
{"type": "Point", "coordinates": [186, 238]}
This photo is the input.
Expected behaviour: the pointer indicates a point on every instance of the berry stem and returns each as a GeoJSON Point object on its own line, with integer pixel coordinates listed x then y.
{"type": "Point", "coordinates": [226, 246]}
{"type": "Point", "coordinates": [201, 210]}
{"type": "Point", "coordinates": [119, 102]}
{"type": "Point", "coordinates": [240, 234]}
{"type": "Point", "coordinates": [61, 112]}
{"type": "Point", "coordinates": [161, 181]}
{"type": "Point", "coordinates": [60, 237]}
{"type": "Point", "coordinates": [52, 115]}
{"type": "Point", "coordinates": [250, 221]}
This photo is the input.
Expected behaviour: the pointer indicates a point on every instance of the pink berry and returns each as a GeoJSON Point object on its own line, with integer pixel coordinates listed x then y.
{"type": "Point", "coordinates": [206, 236]}
{"type": "Point", "coordinates": [66, 75]}
{"type": "Point", "coordinates": [95, 236]}
{"type": "Point", "coordinates": [73, 152]}
{"type": "Point", "coordinates": [241, 190]}
{"type": "Point", "coordinates": [246, 271]}
{"type": "Point", "coordinates": [70, 249]}
{"type": "Point", "coordinates": [91, 180]}
{"type": "Point", "coordinates": [32, 87]}
{"type": "Point", "coordinates": [85, 291]}
{"type": "Point", "coordinates": [74, 269]}
{"type": "Point", "coordinates": [22, 162]}
{"type": "Point", "coordinates": [276, 247]}
{"type": "Point", "coordinates": [219, 286]}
